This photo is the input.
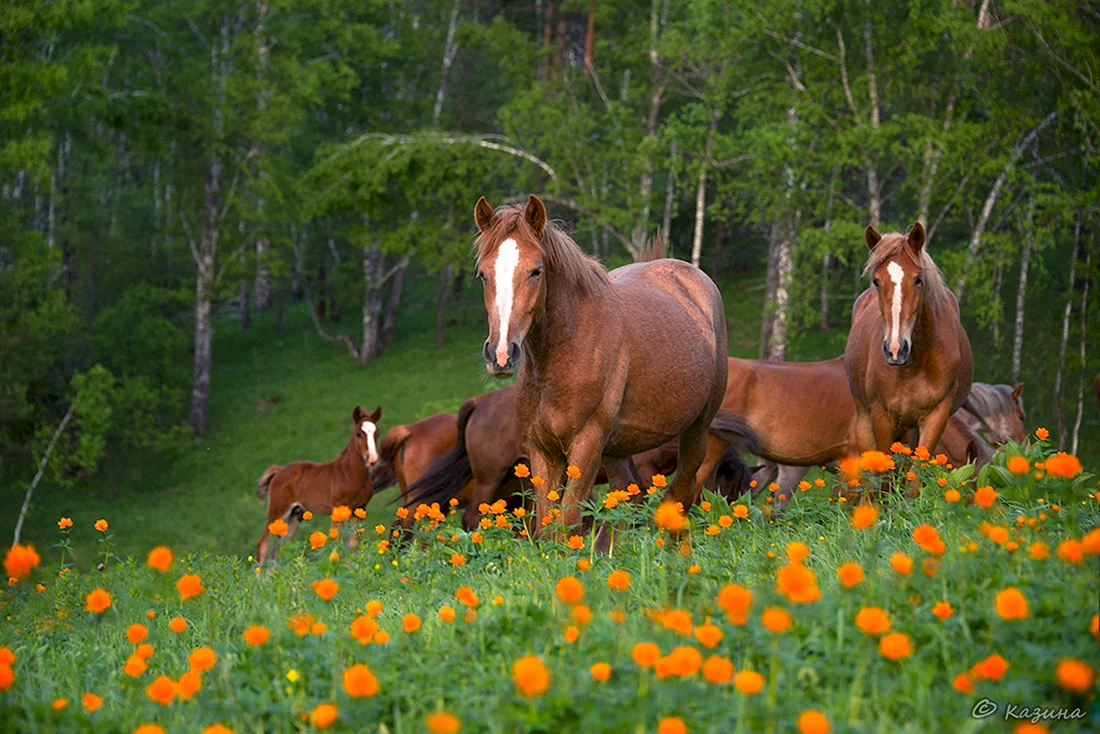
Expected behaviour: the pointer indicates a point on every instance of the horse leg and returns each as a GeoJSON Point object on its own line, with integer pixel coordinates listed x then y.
{"type": "Point", "coordinates": [550, 470]}
{"type": "Point", "coordinates": [278, 506]}
{"type": "Point", "coordinates": [585, 453]}
{"type": "Point", "coordinates": [715, 449]}
{"type": "Point", "coordinates": [864, 430]}
{"type": "Point", "coordinates": [789, 477]}
{"type": "Point", "coordinates": [692, 449]}
{"type": "Point", "coordinates": [883, 428]}
{"type": "Point", "coordinates": [933, 425]}
{"type": "Point", "coordinates": [484, 492]}
{"type": "Point", "coordinates": [620, 473]}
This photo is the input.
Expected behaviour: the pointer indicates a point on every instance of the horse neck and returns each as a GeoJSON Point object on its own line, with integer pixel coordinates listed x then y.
{"type": "Point", "coordinates": [555, 325]}
{"type": "Point", "coordinates": [350, 460]}
{"type": "Point", "coordinates": [924, 331]}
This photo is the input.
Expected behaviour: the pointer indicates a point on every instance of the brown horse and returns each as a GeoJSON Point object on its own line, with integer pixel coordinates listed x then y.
{"type": "Point", "coordinates": [613, 364]}
{"type": "Point", "coordinates": [480, 466]}
{"type": "Point", "coordinates": [908, 357]}
{"type": "Point", "coordinates": [995, 411]}
{"type": "Point", "coordinates": [803, 415]}
{"type": "Point", "coordinates": [406, 452]}
{"type": "Point", "coordinates": [307, 485]}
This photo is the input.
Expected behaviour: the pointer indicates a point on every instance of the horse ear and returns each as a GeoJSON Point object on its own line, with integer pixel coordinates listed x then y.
{"type": "Point", "coordinates": [1017, 391]}
{"type": "Point", "coordinates": [535, 214]}
{"type": "Point", "coordinates": [376, 414]}
{"type": "Point", "coordinates": [357, 415]}
{"type": "Point", "coordinates": [483, 214]}
{"type": "Point", "coordinates": [916, 237]}
{"type": "Point", "coordinates": [871, 236]}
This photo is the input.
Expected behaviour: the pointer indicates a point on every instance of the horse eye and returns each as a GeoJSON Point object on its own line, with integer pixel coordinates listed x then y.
{"type": "Point", "coordinates": [918, 280]}
{"type": "Point", "coordinates": [536, 272]}
{"type": "Point", "coordinates": [481, 276]}
{"type": "Point", "coordinates": [874, 282]}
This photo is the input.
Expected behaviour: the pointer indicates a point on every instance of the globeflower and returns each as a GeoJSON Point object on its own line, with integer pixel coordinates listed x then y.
{"type": "Point", "coordinates": [735, 601]}
{"type": "Point", "coordinates": [1074, 675]}
{"type": "Point", "coordinates": [443, 722]}
{"type": "Point", "coordinates": [135, 633]}
{"type": "Point", "coordinates": [20, 561]}
{"type": "Point", "coordinates": [177, 624]}
{"type": "Point", "coordinates": [850, 574]}
{"type": "Point", "coordinates": [324, 715]}
{"type": "Point", "coordinates": [256, 635]}
{"type": "Point", "coordinates": [360, 682]}
{"type": "Point", "coordinates": [670, 516]}
{"type": "Point", "coordinates": [895, 646]}
{"type": "Point", "coordinates": [813, 722]}
{"type": "Point", "coordinates": [97, 601]}
{"type": "Point", "coordinates": [928, 538]}
{"type": "Point", "coordinates": [942, 611]}
{"type": "Point", "coordinates": [748, 682]}
{"type": "Point", "coordinates": [569, 590]}
{"type": "Point", "coordinates": [645, 654]}
{"type": "Point", "coordinates": [776, 620]}
{"type": "Point", "coordinates": [325, 588]}
{"type": "Point", "coordinates": [278, 527]}
{"type": "Point", "coordinates": [202, 658]}
{"type": "Point", "coordinates": [600, 671]}
{"type": "Point", "coordinates": [160, 558]}
{"type": "Point", "coordinates": [985, 496]}
{"type": "Point", "coordinates": [797, 583]}
{"type": "Point", "coordinates": [876, 461]}
{"type": "Point", "coordinates": [341, 513]}
{"type": "Point", "coordinates": [410, 623]}
{"type": "Point", "coordinates": [901, 563]}
{"type": "Point", "coordinates": [618, 580]}
{"type": "Point", "coordinates": [1011, 604]}
{"type": "Point", "coordinates": [531, 676]}
{"type": "Point", "coordinates": [101, 525]}
{"type": "Point", "coordinates": [162, 690]}
{"type": "Point", "coordinates": [1063, 465]}
{"type": "Point", "coordinates": [65, 523]}
{"type": "Point", "coordinates": [872, 620]}
{"type": "Point", "coordinates": [91, 702]}
{"type": "Point", "coordinates": [1017, 465]}
{"type": "Point", "coordinates": [864, 517]}
{"type": "Point", "coordinates": [717, 670]}
{"type": "Point", "coordinates": [189, 585]}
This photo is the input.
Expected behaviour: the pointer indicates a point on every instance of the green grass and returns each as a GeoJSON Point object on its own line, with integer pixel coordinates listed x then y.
{"type": "Point", "coordinates": [824, 662]}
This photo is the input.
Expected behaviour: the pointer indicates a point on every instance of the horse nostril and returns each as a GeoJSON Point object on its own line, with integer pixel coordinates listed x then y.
{"type": "Point", "coordinates": [513, 353]}
{"type": "Point", "coordinates": [488, 352]}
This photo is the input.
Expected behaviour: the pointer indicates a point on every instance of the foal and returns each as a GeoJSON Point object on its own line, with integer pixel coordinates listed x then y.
{"type": "Point", "coordinates": [307, 485]}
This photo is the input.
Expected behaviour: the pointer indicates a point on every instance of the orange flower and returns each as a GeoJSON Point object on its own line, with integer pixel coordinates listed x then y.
{"type": "Point", "coordinates": [797, 583]}
{"type": "Point", "coordinates": [20, 561]}
{"type": "Point", "coordinates": [318, 628]}
{"type": "Point", "coordinates": [850, 468]}
{"type": "Point", "coordinates": [581, 614]}
{"type": "Point", "coordinates": [573, 472]}
{"type": "Point", "coordinates": [325, 588]}
{"type": "Point", "coordinates": [813, 722]}
{"type": "Point", "coordinates": [600, 671]}
{"type": "Point", "coordinates": [324, 715]}
{"type": "Point", "coordinates": [1042, 434]}
{"type": "Point", "coordinates": [735, 602]}
{"type": "Point", "coordinates": [659, 481]}
{"type": "Point", "coordinates": [1094, 625]}
{"type": "Point", "coordinates": [189, 684]}
{"type": "Point", "coordinates": [572, 632]}
{"type": "Point", "coordinates": [101, 525]}
{"type": "Point", "coordinates": [162, 690]}
{"type": "Point", "coordinates": [1090, 544]}
{"type": "Point", "coordinates": [748, 682]}
{"type": "Point", "coordinates": [466, 595]}
{"type": "Point", "coordinates": [963, 684]}
{"type": "Point", "coordinates": [895, 646]}
{"type": "Point", "coordinates": [531, 676]}
{"type": "Point", "coordinates": [717, 670]}
{"type": "Point", "coordinates": [135, 633]}
{"type": "Point", "coordinates": [864, 517]}
{"type": "Point", "coordinates": [1011, 604]}
{"type": "Point", "coordinates": [135, 666]}
{"type": "Point", "coordinates": [776, 620]}
{"type": "Point", "coordinates": [65, 523]}
{"type": "Point", "coordinates": [569, 590]}
{"type": "Point", "coordinates": [189, 585]}
{"type": "Point", "coordinates": [360, 513]}
{"type": "Point", "coordinates": [928, 538]}
{"type": "Point", "coordinates": [942, 610]}
{"type": "Point", "coordinates": [149, 729]}
{"type": "Point", "coordinates": [443, 722]}
{"type": "Point", "coordinates": [850, 574]}
{"type": "Point", "coordinates": [217, 729]}
{"type": "Point", "coordinates": [202, 658]}
{"type": "Point", "coordinates": [876, 461]}
{"type": "Point", "coordinates": [360, 682]}
{"type": "Point", "coordinates": [991, 668]}
{"type": "Point", "coordinates": [177, 624]}
{"type": "Point", "coordinates": [522, 471]}
{"type": "Point", "coordinates": [381, 637]}
{"type": "Point", "coordinates": [1071, 551]}
{"type": "Point", "coordinates": [1074, 675]}
{"type": "Point", "coordinates": [317, 539]}
{"type": "Point", "coordinates": [1063, 465]}
{"type": "Point", "coordinates": [91, 702]}
{"type": "Point", "coordinates": [576, 542]}
{"type": "Point", "coordinates": [985, 496]}
{"type": "Point", "coordinates": [59, 703]}
{"type": "Point", "coordinates": [797, 551]}
{"type": "Point", "coordinates": [952, 495]}
{"type": "Point", "coordinates": [1018, 465]}
{"type": "Point", "coordinates": [278, 527]}
{"type": "Point", "coordinates": [671, 725]}
{"type": "Point", "coordinates": [457, 559]}
{"type": "Point", "coordinates": [901, 563]}
{"type": "Point", "coordinates": [410, 623]}
{"type": "Point", "coordinates": [160, 558]}
{"type": "Point", "coordinates": [670, 516]}
{"type": "Point", "coordinates": [341, 513]}
{"type": "Point", "coordinates": [645, 654]}
{"type": "Point", "coordinates": [707, 634]}
{"type": "Point", "coordinates": [97, 601]}
{"type": "Point", "coordinates": [256, 635]}
{"type": "Point", "coordinates": [363, 629]}
{"type": "Point", "coordinates": [618, 580]}
{"type": "Point", "coordinates": [739, 511]}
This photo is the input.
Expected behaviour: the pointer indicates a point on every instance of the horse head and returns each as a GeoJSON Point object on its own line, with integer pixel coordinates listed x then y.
{"type": "Point", "coordinates": [897, 274]}
{"type": "Point", "coordinates": [366, 432]}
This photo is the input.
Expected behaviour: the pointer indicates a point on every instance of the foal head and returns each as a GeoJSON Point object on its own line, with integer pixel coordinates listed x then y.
{"type": "Point", "coordinates": [1000, 408]}
{"type": "Point", "coordinates": [520, 257]}
{"type": "Point", "coordinates": [366, 432]}
{"type": "Point", "coordinates": [905, 278]}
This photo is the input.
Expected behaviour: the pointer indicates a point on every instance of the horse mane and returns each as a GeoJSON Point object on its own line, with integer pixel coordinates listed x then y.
{"type": "Point", "coordinates": [568, 264]}
{"type": "Point", "coordinates": [987, 400]}
{"type": "Point", "coordinates": [935, 287]}
{"type": "Point", "coordinates": [655, 248]}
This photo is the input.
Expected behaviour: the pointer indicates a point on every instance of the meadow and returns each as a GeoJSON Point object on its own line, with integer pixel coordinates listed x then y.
{"type": "Point", "coordinates": [857, 610]}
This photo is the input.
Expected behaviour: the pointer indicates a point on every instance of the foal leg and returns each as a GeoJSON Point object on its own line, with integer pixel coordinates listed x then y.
{"type": "Point", "coordinates": [712, 456]}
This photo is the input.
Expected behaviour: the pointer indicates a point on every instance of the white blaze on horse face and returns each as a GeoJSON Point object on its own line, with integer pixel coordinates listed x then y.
{"type": "Point", "coordinates": [504, 272]}
{"type": "Point", "coordinates": [372, 451]}
{"type": "Point", "coordinates": [896, 276]}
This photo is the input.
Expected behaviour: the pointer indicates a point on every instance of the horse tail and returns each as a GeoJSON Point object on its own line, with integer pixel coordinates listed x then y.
{"type": "Point", "coordinates": [263, 484]}
{"type": "Point", "coordinates": [448, 474]}
{"type": "Point", "coordinates": [733, 475]}
{"type": "Point", "coordinates": [384, 474]}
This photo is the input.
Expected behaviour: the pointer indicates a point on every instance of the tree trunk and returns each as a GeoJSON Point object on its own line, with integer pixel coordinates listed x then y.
{"type": "Point", "coordinates": [589, 37]}
{"type": "Point", "coordinates": [716, 254]}
{"type": "Point", "coordinates": [1059, 414]}
{"type": "Point", "coordinates": [998, 278]}
{"type": "Point", "coordinates": [874, 188]}
{"type": "Point", "coordinates": [826, 258]}
{"type": "Point", "coordinates": [777, 339]}
{"type": "Point", "coordinates": [547, 39]}
{"type": "Point", "coordinates": [450, 49]}
{"type": "Point", "coordinates": [68, 260]}
{"type": "Point", "coordinates": [1021, 297]}
{"type": "Point", "coordinates": [701, 191]}
{"type": "Point", "coordinates": [771, 283]}
{"type": "Point", "coordinates": [372, 326]}
{"type": "Point", "coordinates": [389, 322]}
{"type": "Point", "coordinates": [670, 197]}
{"type": "Point", "coordinates": [445, 276]}
{"type": "Point", "coordinates": [1084, 352]}
{"type": "Point", "coordinates": [640, 232]}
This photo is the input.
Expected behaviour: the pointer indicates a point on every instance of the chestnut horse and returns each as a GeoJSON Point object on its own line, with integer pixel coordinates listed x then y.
{"type": "Point", "coordinates": [307, 485]}
{"type": "Point", "coordinates": [908, 357]}
{"type": "Point", "coordinates": [613, 364]}
{"type": "Point", "coordinates": [995, 411]}
{"type": "Point", "coordinates": [406, 452]}
{"type": "Point", "coordinates": [803, 415]}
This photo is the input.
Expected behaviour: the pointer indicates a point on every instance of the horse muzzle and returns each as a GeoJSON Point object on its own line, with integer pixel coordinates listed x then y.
{"type": "Point", "coordinates": [499, 363]}
{"type": "Point", "coordinates": [896, 356]}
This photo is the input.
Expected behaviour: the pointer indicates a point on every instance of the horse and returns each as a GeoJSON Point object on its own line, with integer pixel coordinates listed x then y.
{"type": "Point", "coordinates": [908, 357]}
{"type": "Point", "coordinates": [293, 489]}
{"type": "Point", "coordinates": [406, 451]}
{"type": "Point", "coordinates": [997, 411]}
{"type": "Point", "coordinates": [613, 364]}
{"type": "Point", "coordinates": [803, 415]}
{"type": "Point", "coordinates": [480, 467]}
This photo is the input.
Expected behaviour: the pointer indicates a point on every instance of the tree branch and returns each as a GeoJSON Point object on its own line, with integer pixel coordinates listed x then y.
{"type": "Point", "coordinates": [41, 470]}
